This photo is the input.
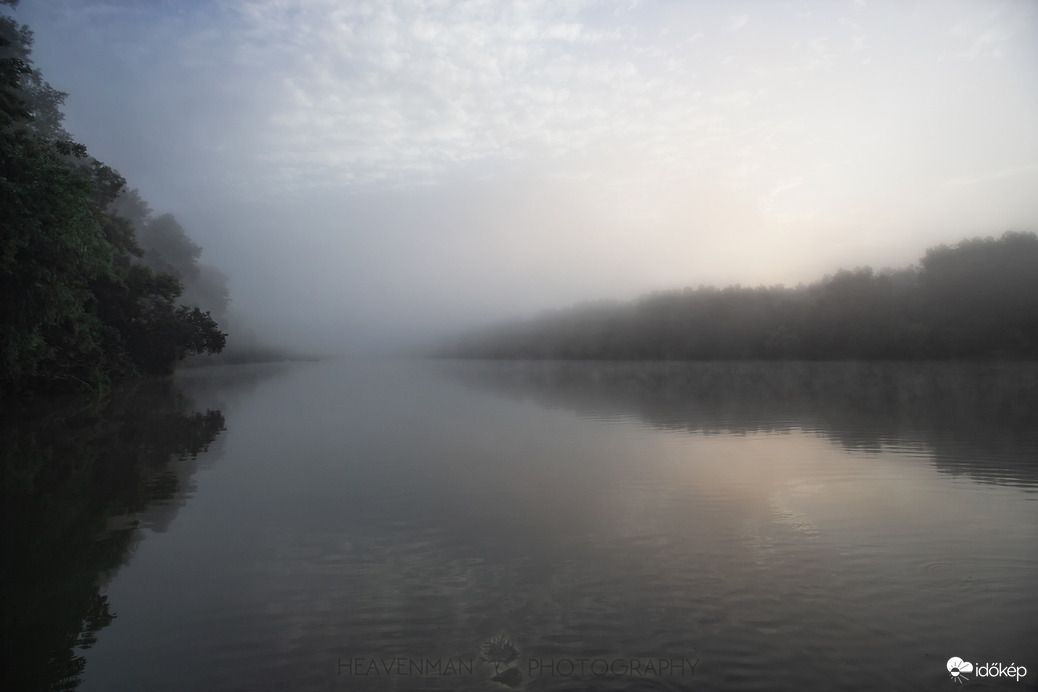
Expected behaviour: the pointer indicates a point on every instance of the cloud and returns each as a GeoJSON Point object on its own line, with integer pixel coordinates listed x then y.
{"type": "Point", "coordinates": [404, 92]}
{"type": "Point", "coordinates": [296, 94]}
{"type": "Point", "coordinates": [399, 93]}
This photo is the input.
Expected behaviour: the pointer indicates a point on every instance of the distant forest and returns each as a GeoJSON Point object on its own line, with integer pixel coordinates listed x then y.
{"type": "Point", "coordinates": [976, 299]}
{"type": "Point", "coordinates": [92, 285]}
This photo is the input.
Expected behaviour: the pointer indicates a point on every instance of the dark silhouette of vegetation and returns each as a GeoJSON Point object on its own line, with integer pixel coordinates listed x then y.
{"type": "Point", "coordinates": [975, 299]}
{"type": "Point", "coordinates": [79, 476]}
{"type": "Point", "coordinates": [78, 306]}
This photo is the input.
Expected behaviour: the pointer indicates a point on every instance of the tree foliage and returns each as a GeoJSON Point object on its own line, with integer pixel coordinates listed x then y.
{"type": "Point", "coordinates": [167, 248]}
{"type": "Point", "coordinates": [975, 299]}
{"type": "Point", "coordinates": [77, 306]}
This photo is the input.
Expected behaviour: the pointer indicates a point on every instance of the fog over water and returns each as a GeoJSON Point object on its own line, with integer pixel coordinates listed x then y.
{"type": "Point", "coordinates": [376, 173]}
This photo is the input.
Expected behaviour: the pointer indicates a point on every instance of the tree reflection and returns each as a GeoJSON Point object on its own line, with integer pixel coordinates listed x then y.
{"type": "Point", "coordinates": [973, 418]}
{"type": "Point", "coordinates": [76, 475]}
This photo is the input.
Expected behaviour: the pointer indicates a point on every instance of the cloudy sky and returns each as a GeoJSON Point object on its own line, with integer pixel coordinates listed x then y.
{"type": "Point", "coordinates": [369, 170]}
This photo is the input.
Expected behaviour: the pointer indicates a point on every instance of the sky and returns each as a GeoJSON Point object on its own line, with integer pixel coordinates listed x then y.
{"type": "Point", "coordinates": [377, 172]}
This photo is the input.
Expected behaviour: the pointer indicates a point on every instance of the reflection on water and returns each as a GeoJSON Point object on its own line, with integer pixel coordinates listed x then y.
{"type": "Point", "coordinates": [777, 526]}
{"type": "Point", "coordinates": [80, 478]}
{"type": "Point", "coordinates": [973, 418]}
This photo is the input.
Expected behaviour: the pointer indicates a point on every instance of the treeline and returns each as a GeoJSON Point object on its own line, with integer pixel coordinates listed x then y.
{"type": "Point", "coordinates": [975, 299]}
{"type": "Point", "coordinates": [87, 294]}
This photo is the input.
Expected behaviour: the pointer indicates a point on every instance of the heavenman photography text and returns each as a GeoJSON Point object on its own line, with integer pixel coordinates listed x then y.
{"type": "Point", "coordinates": [500, 662]}
{"type": "Point", "coordinates": [468, 345]}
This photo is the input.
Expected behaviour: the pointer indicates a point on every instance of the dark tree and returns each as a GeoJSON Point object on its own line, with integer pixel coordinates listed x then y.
{"type": "Point", "coordinates": [77, 307]}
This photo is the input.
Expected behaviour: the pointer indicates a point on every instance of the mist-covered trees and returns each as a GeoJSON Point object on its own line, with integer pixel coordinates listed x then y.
{"type": "Point", "coordinates": [975, 299]}
{"type": "Point", "coordinates": [981, 296]}
{"type": "Point", "coordinates": [167, 249]}
{"type": "Point", "coordinates": [77, 305]}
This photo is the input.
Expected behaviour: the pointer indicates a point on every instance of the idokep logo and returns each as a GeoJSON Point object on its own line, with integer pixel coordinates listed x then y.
{"type": "Point", "coordinates": [958, 668]}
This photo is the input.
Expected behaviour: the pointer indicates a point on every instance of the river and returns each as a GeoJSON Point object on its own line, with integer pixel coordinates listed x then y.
{"type": "Point", "coordinates": [416, 525]}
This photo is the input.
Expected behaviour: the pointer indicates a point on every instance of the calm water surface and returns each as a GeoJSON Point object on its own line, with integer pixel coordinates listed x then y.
{"type": "Point", "coordinates": [345, 525]}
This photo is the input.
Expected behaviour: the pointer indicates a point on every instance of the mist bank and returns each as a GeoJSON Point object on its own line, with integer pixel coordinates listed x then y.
{"type": "Point", "coordinates": [975, 299]}
{"type": "Point", "coordinates": [167, 248]}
